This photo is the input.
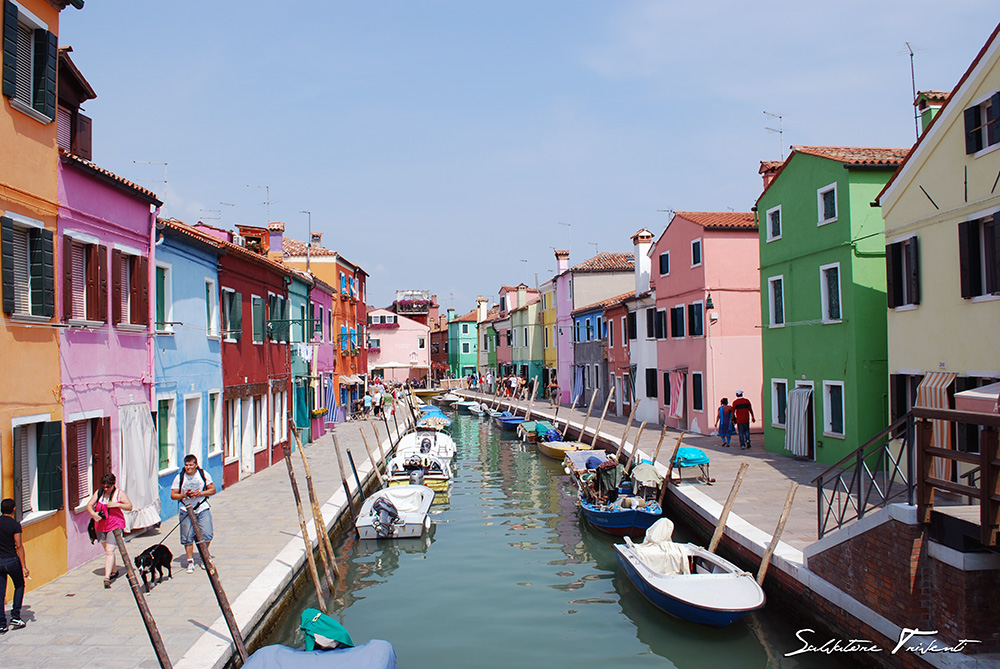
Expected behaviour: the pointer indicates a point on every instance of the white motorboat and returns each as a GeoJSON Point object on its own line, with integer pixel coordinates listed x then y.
{"type": "Point", "coordinates": [429, 469]}
{"type": "Point", "coordinates": [447, 399]}
{"type": "Point", "coordinates": [466, 405]}
{"type": "Point", "coordinates": [398, 512]}
{"type": "Point", "coordinates": [427, 442]}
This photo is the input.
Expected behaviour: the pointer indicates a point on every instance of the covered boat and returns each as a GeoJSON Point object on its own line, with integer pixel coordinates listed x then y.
{"type": "Point", "coordinates": [617, 507]}
{"type": "Point", "coordinates": [427, 442]}
{"type": "Point", "coordinates": [447, 399]}
{"type": "Point", "coordinates": [327, 646]}
{"type": "Point", "coordinates": [433, 471]}
{"type": "Point", "coordinates": [688, 581]}
{"type": "Point", "coordinates": [538, 430]}
{"type": "Point", "coordinates": [395, 512]}
{"type": "Point", "coordinates": [508, 421]}
{"type": "Point", "coordinates": [466, 405]}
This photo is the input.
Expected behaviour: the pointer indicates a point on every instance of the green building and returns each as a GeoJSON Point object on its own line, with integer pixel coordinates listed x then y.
{"type": "Point", "coordinates": [300, 330]}
{"type": "Point", "coordinates": [462, 344]}
{"type": "Point", "coordinates": [527, 351]}
{"type": "Point", "coordinates": [823, 303]}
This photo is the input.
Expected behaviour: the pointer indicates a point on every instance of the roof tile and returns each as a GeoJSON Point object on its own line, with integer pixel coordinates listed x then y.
{"type": "Point", "coordinates": [720, 220]}
{"type": "Point", "coordinates": [607, 262]}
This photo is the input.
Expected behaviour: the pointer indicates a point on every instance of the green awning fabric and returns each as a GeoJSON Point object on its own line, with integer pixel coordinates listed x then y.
{"type": "Point", "coordinates": [324, 630]}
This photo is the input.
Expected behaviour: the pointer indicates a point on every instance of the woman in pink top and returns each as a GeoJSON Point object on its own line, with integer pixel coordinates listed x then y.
{"type": "Point", "coordinates": [107, 506]}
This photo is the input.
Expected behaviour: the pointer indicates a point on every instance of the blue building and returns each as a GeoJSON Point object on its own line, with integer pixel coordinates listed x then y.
{"type": "Point", "coordinates": [188, 360]}
{"type": "Point", "coordinates": [590, 364]}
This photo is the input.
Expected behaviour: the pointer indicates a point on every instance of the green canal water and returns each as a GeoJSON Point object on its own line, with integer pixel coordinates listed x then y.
{"type": "Point", "coordinates": [511, 576]}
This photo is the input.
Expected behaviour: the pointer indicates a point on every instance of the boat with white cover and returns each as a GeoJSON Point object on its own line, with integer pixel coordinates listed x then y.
{"type": "Point", "coordinates": [399, 512]}
{"type": "Point", "coordinates": [427, 442]}
{"type": "Point", "coordinates": [435, 472]}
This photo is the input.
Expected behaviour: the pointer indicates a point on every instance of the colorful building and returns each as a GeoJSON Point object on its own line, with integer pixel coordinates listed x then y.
{"type": "Point", "coordinates": [323, 364]}
{"type": "Point", "coordinates": [640, 332]}
{"type": "Point", "coordinates": [527, 352]}
{"type": "Point", "coordinates": [707, 318]}
{"type": "Point", "coordinates": [550, 354]}
{"type": "Point", "coordinates": [462, 344]}
{"type": "Point", "coordinates": [398, 347]}
{"type": "Point", "coordinates": [590, 365]}
{"type": "Point", "coordinates": [302, 324]}
{"type": "Point", "coordinates": [822, 293]}
{"type": "Point", "coordinates": [942, 253]}
{"type": "Point", "coordinates": [616, 344]}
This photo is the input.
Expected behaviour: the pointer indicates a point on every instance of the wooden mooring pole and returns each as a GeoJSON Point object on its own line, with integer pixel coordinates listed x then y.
{"type": "Point", "coordinates": [531, 402]}
{"type": "Point", "coordinates": [326, 548]}
{"type": "Point", "coordinates": [720, 527]}
{"type": "Point", "coordinates": [663, 433]}
{"type": "Point", "coordinates": [628, 426]}
{"type": "Point", "coordinates": [343, 477]}
{"type": "Point", "coordinates": [305, 534]}
{"type": "Point", "coordinates": [670, 465]}
{"type": "Point", "coordinates": [375, 465]}
{"type": "Point", "coordinates": [766, 560]}
{"type": "Point", "coordinates": [604, 413]}
{"type": "Point", "coordinates": [570, 416]}
{"type": "Point", "coordinates": [140, 600]}
{"type": "Point", "coordinates": [378, 443]}
{"type": "Point", "coordinates": [213, 578]}
{"type": "Point", "coordinates": [635, 446]}
{"type": "Point", "coordinates": [586, 419]}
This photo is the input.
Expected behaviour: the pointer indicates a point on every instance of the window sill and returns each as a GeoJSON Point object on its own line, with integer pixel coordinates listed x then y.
{"type": "Point", "coordinates": [169, 333]}
{"type": "Point", "coordinates": [775, 326]}
{"type": "Point", "coordinates": [231, 341]}
{"type": "Point", "coordinates": [984, 298]}
{"type": "Point", "coordinates": [83, 323]}
{"type": "Point", "coordinates": [833, 435]}
{"type": "Point", "coordinates": [820, 224]}
{"type": "Point", "coordinates": [214, 454]}
{"type": "Point", "coordinates": [259, 449]}
{"type": "Point", "coordinates": [168, 471]}
{"type": "Point", "coordinates": [906, 307]}
{"type": "Point", "coordinates": [27, 110]}
{"type": "Point", "coordinates": [983, 152]}
{"type": "Point", "coordinates": [81, 508]}
{"type": "Point", "coordinates": [29, 318]}
{"type": "Point", "coordinates": [231, 460]}
{"type": "Point", "coordinates": [833, 322]}
{"type": "Point", "coordinates": [131, 327]}
{"type": "Point", "coordinates": [214, 336]}
{"type": "Point", "coordinates": [780, 426]}
{"type": "Point", "coordinates": [37, 516]}
{"type": "Point", "coordinates": [772, 239]}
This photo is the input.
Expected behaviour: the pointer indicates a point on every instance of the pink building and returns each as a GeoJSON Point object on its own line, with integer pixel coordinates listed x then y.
{"type": "Point", "coordinates": [324, 360]}
{"type": "Point", "coordinates": [398, 347]}
{"type": "Point", "coordinates": [707, 321]}
{"type": "Point", "coordinates": [110, 309]}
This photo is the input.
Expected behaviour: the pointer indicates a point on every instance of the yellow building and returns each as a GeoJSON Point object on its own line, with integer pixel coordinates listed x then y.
{"type": "Point", "coordinates": [548, 312]}
{"type": "Point", "coordinates": [31, 431]}
{"type": "Point", "coordinates": [942, 233]}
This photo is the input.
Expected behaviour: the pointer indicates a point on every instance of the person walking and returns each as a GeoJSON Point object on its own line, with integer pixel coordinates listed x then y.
{"type": "Point", "coordinates": [193, 486]}
{"type": "Point", "coordinates": [724, 421]}
{"type": "Point", "coordinates": [368, 404]}
{"type": "Point", "coordinates": [13, 564]}
{"type": "Point", "coordinates": [553, 392]}
{"type": "Point", "coordinates": [742, 417]}
{"type": "Point", "coordinates": [107, 506]}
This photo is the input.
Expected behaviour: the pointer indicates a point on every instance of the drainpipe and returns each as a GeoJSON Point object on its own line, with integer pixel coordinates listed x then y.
{"type": "Point", "coordinates": [151, 315]}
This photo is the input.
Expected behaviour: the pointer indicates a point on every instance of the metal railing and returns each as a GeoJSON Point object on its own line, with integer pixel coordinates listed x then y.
{"type": "Point", "coordinates": [873, 476]}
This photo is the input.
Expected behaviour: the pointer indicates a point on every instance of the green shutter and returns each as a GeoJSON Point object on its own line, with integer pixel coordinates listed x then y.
{"type": "Point", "coordinates": [257, 314]}
{"type": "Point", "coordinates": [236, 317]}
{"type": "Point", "coordinates": [22, 474]}
{"type": "Point", "coordinates": [163, 432]}
{"type": "Point", "coordinates": [9, 48]}
{"type": "Point", "coordinates": [161, 297]}
{"type": "Point", "coordinates": [43, 281]}
{"type": "Point", "coordinates": [49, 465]}
{"type": "Point", "coordinates": [7, 262]}
{"type": "Point", "coordinates": [46, 60]}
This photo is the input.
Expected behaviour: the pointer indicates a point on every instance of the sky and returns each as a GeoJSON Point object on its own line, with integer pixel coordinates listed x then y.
{"type": "Point", "coordinates": [452, 145]}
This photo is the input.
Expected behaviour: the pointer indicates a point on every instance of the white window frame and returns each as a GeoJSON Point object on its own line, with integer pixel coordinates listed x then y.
{"type": "Point", "coordinates": [987, 147]}
{"type": "Point", "coordinates": [825, 294]}
{"type": "Point", "coordinates": [259, 408]}
{"type": "Point", "coordinates": [525, 333]}
{"type": "Point", "coordinates": [233, 430]}
{"type": "Point", "coordinates": [171, 401]}
{"type": "Point", "coordinates": [168, 298]}
{"type": "Point", "coordinates": [214, 423]}
{"type": "Point", "coordinates": [827, 410]}
{"type": "Point", "coordinates": [22, 226]}
{"type": "Point", "coordinates": [820, 192]}
{"type": "Point", "coordinates": [611, 334]}
{"type": "Point", "coordinates": [597, 376]}
{"type": "Point", "coordinates": [775, 418]}
{"type": "Point", "coordinates": [771, 302]}
{"type": "Point", "coordinates": [600, 328]}
{"type": "Point", "coordinates": [545, 335]}
{"type": "Point", "coordinates": [421, 343]}
{"type": "Point", "coordinates": [767, 222]}
{"type": "Point", "coordinates": [696, 243]}
{"type": "Point", "coordinates": [687, 314]}
{"type": "Point", "coordinates": [30, 423]}
{"type": "Point", "coordinates": [684, 318]}
{"type": "Point", "coordinates": [317, 318]}
{"type": "Point", "coordinates": [465, 328]}
{"type": "Point", "coordinates": [279, 409]}
{"type": "Point", "coordinates": [212, 315]}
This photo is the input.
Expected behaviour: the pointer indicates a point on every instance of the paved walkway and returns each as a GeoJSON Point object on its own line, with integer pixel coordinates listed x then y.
{"type": "Point", "coordinates": [74, 622]}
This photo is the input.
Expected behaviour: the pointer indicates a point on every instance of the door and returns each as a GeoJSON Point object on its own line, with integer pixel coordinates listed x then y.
{"type": "Point", "coordinates": [618, 395]}
{"type": "Point", "coordinates": [248, 438]}
{"type": "Point", "coordinates": [192, 428]}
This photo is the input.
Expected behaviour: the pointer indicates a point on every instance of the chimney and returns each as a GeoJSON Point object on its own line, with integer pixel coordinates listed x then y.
{"type": "Point", "coordinates": [276, 231]}
{"type": "Point", "coordinates": [562, 261]}
{"type": "Point", "coordinates": [928, 104]}
{"type": "Point", "coordinates": [522, 295]}
{"type": "Point", "coordinates": [642, 240]}
{"type": "Point", "coordinates": [768, 168]}
{"type": "Point", "coordinates": [432, 310]}
{"type": "Point", "coordinates": [451, 314]}
{"type": "Point", "coordinates": [316, 239]}
{"type": "Point", "coordinates": [481, 308]}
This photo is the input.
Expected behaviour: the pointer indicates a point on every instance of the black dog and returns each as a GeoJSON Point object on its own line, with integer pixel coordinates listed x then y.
{"type": "Point", "coordinates": [153, 560]}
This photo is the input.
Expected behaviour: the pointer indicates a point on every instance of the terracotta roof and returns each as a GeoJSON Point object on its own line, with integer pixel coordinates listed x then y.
{"type": "Point", "coordinates": [110, 177]}
{"type": "Point", "coordinates": [933, 96]}
{"type": "Point", "coordinates": [858, 156]}
{"type": "Point", "coordinates": [604, 304]}
{"type": "Point", "coordinates": [224, 246]}
{"type": "Point", "coordinates": [526, 305]}
{"type": "Point", "coordinates": [720, 220]}
{"type": "Point", "coordinates": [467, 318]}
{"type": "Point", "coordinates": [607, 262]}
{"type": "Point", "coordinates": [292, 248]}
{"type": "Point", "coordinates": [944, 107]}
{"type": "Point", "coordinates": [513, 289]}
{"type": "Point", "coordinates": [769, 166]}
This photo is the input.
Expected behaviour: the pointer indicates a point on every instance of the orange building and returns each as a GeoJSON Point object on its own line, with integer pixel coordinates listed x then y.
{"type": "Point", "coordinates": [31, 451]}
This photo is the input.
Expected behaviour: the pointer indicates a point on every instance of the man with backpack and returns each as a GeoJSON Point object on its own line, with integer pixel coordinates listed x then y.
{"type": "Point", "coordinates": [192, 487]}
{"type": "Point", "coordinates": [742, 417]}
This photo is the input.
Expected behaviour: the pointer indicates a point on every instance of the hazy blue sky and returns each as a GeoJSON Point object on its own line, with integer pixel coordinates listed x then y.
{"type": "Point", "coordinates": [439, 144]}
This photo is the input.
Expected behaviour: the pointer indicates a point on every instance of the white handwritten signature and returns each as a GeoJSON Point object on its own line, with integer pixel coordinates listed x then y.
{"type": "Point", "coordinates": [831, 646]}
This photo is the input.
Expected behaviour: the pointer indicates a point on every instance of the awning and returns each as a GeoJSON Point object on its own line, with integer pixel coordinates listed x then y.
{"type": "Point", "coordinates": [796, 421]}
{"type": "Point", "coordinates": [983, 399]}
{"type": "Point", "coordinates": [349, 380]}
{"type": "Point", "coordinates": [933, 394]}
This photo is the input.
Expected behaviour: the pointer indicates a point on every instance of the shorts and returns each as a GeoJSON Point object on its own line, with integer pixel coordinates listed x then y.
{"type": "Point", "coordinates": [204, 522]}
{"type": "Point", "coordinates": [106, 537]}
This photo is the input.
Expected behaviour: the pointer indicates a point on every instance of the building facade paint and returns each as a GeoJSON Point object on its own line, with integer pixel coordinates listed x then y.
{"type": "Point", "coordinates": [398, 353]}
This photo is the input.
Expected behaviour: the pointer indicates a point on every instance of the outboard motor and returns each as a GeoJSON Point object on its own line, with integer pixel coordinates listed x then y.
{"type": "Point", "coordinates": [425, 445]}
{"type": "Point", "coordinates": [385, 515]}
{"type": "Point", "coordinates": [417, 477]}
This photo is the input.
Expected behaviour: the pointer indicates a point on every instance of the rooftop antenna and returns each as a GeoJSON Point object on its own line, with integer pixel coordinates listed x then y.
{"type": "Point", "coordinates": [913, 86]}
{"type": "Point", "coordinates": [217, 212]}
{"type": "Point", "coordinates": [226, 204]}
{"type": "Point", "coordinates": [781, 132]}
{"type": "Point", "coordinates": [596, 249]}
{"type": "Point", "coordinates": [267, 191]}
{"type": "Point", "coordinates": [570, 226]}
{"type": "Point", "coordinates": [163, 207]}
{"type": "Point", "coordinates": [525, 270]}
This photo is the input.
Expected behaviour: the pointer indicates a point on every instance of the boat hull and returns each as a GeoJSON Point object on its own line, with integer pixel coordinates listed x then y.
{"type": "Point", "coordinates": [413, 503]}
{"type": "Point", "coordinates": [621, 522]}
{"type": "Point", "coordinates": [557, 450]}
{"type": "Point", "coordinates": [508, 424]}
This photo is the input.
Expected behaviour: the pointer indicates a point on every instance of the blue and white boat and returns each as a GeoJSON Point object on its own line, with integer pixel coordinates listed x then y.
{"type": "Point", "coordinates": [688, 581]}
{"type": "Point", "coordinates": [610, 505]}
{"type": "Point", "coordinates": [508, 421]}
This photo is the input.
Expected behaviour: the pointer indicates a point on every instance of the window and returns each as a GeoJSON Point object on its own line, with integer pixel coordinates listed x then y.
{"type": "Point", "coordinates": [232, 421]}
{"type": "Point", "coordinates": [695, 253]}
{"type": "Point", "coordinates": [343, 284]}
{"type": "Point", "coordinates": [29, 63]}
{"type": "Point", "coordinates": [503, 303]}
{"type": "Point", "coordinates": [465, 347]}
{"type": "Point", "coordinates": [257, 318]}
{"type": "Point", "coordinates": [773, 216]}
{"type": "Point", "coordinates": [421, 343]}
{"type": "Point", "coordinates": [214, 422]}
{"type": "Point", "coordinates": [611, 333]}
{"type": "Point", "coordinates": [279, 404]}
{"type": "Point", "coordinates": [833, 408]}
{"type": "Point", "coordinates": [697, 392]}
{"type": "Point", "coordinates": [776, 300]}
{"type": "Point", "coordinates": [512, 337]}
{"type": "Point", "coordinates": [28, 253]}
{"type": "Point", "coordinates": [661, 324]}
{"type": "Point", "coordinates": [164, 299]}
{"type": "Point", "coordinates": [211, 308]}
{"type": "Point", "coordinates": [318, 322]}
{"type": "Point", "coordinates": [85, 294]}
{"type": "Point", "coordinates": [779, 402]}
{"type": "Point", "coordinates": [650, 383]}
{"type": "Point", "coordinates": [982, 124]}
{"type": "Point", "coordinates": [166, 432]}
{"type": "Point", "coordinates": [525, 333]}
{"type": "Point", "coordinates": [830, 292]}
{"type": "Point", "coordinates": [650, 323]}
{"type": "Point", "coordinates": [37, 466]}
{"type": "Point", "coordinates": [665, 263]}
{"type": "Point", "coordinates": [826, 204]}
{"type": "Point", "coordinates": [630, 325]}
{"type": "Point", "coordinates": [257, 426]}
{"type": "Point", "coordinates": [278, 326]}
{"type": "Point", "coordinates": [677, 321]}
{"type": "Point", "coordinates": [600, 327]}
{"type": "Point", "coordinates": [979, 256]}
{"type": "Point", "coordinates": [696, 320]}
{"type": "Point", "coordinates": [576, 331]}
{"type": "Point", "coordinates": [87, 457]}
{"type": "Point", "coordinates": [597, 376]}
{"type": "Point", "coordinates": [303, 323]}
{"type": "Point", "coordinates": [589, 324]}
{"type": "Point", "coordinates": [232, 315]}
{"type": "Point", "coordinates": [130, 288]}
{"type": "Point", "coordinates": [390, 318]}
{"type": "Point", "coordinates": [545, 335]}
{"type": "Point", "coordinates": [465, 328]}
{"type": "Point", "coordinates": [902, 273]}
{"type": "Point", "coordinates": [666, 389]}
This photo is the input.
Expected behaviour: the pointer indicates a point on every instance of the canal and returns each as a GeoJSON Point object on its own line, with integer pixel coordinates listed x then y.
{"type": "Point", "coordinates": [510, 576]}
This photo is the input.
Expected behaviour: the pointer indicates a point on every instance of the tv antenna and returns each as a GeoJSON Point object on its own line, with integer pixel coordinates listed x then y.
{"type": "Point", "coordinates": [163, 207]}
{"type": "Point", "coordinates": [226, 204]}
{"type": "Point", "coordinates": [781, 132]}
{"type": "Point", "coordinates": [267, 201]}
{"type": "Point", "coordinates": [913, 86]}
{"type": "Point", "coordinates": [217, 212]}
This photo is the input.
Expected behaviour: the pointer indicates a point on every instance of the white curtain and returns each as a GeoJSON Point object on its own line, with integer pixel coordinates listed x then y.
{"type": "Point", "coordinates": [796, 424]}
{"type": "Point", "coordinates": [140, 459]}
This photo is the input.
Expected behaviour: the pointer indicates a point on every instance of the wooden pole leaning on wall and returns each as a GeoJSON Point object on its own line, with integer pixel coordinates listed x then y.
{"type": "Point", "coordinates": [663, 433]}
{"type": "Point", "coordinates": [213, 578]}
{"type": "Point", "coordinates": [140, 600]}
{"type": "Point", "coordinates": [378, 442]}
{"type": "Point", "coordinates": [531, 402]}
{"type": "Point", "coordinates": [586, 419]}
{"type": "Point", "coordinates": [570, 416]}
{"type": "Point", "coordinates": [766, 560]}
{"type": "Point", "coordinates": [628, 426]}
{"type": "Point", "coordinates": [305, 534]}
{"type": "Point", "coordinates": [720, 527]}
{"type": "Point", "coordinates": [375, 465]}
{"type": "Point", "coordinates": [635, 446]}
{"type": "Point", "coordinates": [670, 465]}
{"type": "Point", "coordinates": [343, 478]}
{"type": "Point", "coordinates": [326, 548]}
{"type": "Point", "coordinates": [604, 413]}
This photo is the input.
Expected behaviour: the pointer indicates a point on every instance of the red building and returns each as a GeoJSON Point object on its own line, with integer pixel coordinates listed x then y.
{"type": "Point", "coordinates": [617, 352]}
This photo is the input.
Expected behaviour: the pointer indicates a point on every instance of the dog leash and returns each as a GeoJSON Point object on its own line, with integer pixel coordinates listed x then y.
{"type": "Point", "coordinates": [169, 533]}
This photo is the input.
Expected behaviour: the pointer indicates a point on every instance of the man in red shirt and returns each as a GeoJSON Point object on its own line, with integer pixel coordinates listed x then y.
{"type": "Point", "coordinates": [742, 417]}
